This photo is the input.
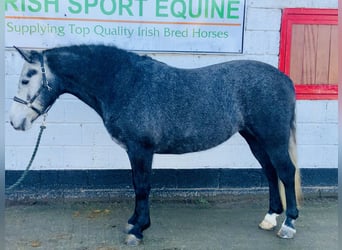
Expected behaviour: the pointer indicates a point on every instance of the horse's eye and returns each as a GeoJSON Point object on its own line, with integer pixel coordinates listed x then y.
{"type": "Point", "coordinates": [31, 72]}
{"type": "Point", "coordinates": [25, 82]}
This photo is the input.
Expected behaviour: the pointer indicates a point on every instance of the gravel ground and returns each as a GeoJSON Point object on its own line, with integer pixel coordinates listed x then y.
{"type": "Point", "coordinates": [197, 223]}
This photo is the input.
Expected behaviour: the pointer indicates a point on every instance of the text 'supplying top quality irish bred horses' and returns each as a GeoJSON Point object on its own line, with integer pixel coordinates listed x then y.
{"type": "Point", "coordinates": [149, 107]}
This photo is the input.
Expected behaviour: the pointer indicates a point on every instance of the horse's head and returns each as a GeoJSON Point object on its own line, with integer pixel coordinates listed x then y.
{"type": "Point", "coordinates": [34, 96]}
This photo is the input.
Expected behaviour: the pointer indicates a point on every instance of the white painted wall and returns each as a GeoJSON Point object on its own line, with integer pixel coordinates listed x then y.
{"type": "Point", "coordinates": [76, 139]}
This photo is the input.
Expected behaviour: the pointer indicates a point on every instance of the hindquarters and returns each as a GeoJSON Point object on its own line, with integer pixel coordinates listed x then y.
{"type": "Point", "coordinates": [270, 132]}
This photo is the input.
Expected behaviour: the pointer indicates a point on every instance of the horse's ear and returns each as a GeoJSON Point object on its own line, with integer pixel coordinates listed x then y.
{"type": "Point", "coordinates": [30, 56]}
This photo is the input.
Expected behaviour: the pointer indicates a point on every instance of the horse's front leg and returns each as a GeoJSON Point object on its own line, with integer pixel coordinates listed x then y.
{"type": "Point", "coordinates": [141, 162]}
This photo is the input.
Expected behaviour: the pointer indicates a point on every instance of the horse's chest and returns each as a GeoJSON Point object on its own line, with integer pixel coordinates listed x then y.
{"type": "Point", "coordinates": [119, 142]}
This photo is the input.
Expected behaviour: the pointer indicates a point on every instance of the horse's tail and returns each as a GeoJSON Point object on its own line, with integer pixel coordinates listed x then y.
{"type": "Point", "coordinates": [293, 156]}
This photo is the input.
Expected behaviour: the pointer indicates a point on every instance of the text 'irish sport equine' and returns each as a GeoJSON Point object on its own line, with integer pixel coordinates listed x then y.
{"type": "Point", "coordinates": [151, 108]}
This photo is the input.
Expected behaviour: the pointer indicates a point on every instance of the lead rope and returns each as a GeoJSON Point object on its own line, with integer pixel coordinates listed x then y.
{"type": "Point", "coordinates": [22, 177]}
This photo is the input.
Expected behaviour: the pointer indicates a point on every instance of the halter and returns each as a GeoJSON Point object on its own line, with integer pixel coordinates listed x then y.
{"type": "Point", "coordinates": [45, 84]}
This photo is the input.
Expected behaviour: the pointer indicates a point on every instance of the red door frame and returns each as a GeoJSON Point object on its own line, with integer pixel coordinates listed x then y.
{"type": "Point", "coordinates": [305, 16]}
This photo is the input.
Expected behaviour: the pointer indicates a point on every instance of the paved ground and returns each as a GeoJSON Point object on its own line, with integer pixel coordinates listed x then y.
{"type": "Point", "coordinates": [192, 224]}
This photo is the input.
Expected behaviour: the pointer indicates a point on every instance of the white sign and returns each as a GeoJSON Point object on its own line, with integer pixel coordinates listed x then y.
{"type": "Point", "coordinates": [212, 26]}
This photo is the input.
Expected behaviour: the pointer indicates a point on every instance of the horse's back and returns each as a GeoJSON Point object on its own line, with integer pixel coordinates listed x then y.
{"type": "Point", "coordinates": [240, 79]}
{"type": "Point", "coordinates": [251, 77]}
{"type": "Point", "coordinates": [243, 90]}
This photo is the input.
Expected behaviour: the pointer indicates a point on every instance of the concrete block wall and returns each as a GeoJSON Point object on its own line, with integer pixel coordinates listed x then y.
{"type": "Point", "coordinates": [76, 139]}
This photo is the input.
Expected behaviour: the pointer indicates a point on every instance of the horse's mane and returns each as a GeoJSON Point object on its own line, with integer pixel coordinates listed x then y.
{"type": "Point", "coordinates": [95, 51]}
{"type": "Point", "coordinates": [96, 58]}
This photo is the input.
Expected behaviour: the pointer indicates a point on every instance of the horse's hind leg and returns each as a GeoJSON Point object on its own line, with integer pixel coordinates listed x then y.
{"type": "Point", "coordinates": [275, 205]}
{"type": "Point", "coordinates": [276, 153]}
{"type": "Point", "coordinates": [141, 162]}
{"type": "Point", "coordinates": [286, 170]}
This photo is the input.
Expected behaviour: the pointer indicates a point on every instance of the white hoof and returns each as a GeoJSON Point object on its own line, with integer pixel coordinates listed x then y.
{"type": "Point", "coordinates": [269, 222]}
{"type": "Point", "coordinates": [286, 232]}
{"type": "Point", "coordinates": [128, 228]}
{"type": "Point", "coordinates": [132, 240]}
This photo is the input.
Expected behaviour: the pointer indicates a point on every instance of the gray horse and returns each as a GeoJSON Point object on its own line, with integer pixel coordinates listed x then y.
{"type": "Point", "coordinates": [149, 107]}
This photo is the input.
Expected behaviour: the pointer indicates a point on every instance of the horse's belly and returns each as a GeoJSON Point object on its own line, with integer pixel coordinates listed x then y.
{"type": "Point", "coordinates": [190, 144]}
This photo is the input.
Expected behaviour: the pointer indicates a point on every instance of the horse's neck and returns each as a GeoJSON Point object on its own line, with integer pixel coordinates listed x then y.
{"type": "Point", "coordinates": [85, 88]}
{"type": "Point", "coordinates": [96, 84]}
{"type": "Point", "coordinates": [89, 97]}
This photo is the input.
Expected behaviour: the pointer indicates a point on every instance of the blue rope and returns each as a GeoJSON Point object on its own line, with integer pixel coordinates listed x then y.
{"type": "Point", "coordinates": [22, 177]}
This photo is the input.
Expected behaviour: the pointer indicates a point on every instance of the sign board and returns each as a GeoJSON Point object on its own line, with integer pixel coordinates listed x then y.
{"type": "Point", "coordinates": [209, 26]}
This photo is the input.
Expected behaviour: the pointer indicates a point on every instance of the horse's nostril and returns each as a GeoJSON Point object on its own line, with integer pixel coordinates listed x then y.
{"type": "Point", "coordinates": [11, 123]}
{"type": "Point", "coordinates": [23, 125]}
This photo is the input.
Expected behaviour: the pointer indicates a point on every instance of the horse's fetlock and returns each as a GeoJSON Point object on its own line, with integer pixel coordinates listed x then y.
{"type": "Point", "coordinates": [292, 214]}
{"type": "Point", "coordinates": [146, 225]}
{"type": "Point", "coordinates": [136, 231]}
{"type": "Point", "coordinates": [128, 228]}
{"type": "Point", "coordinates": [143, 223]}
{"type": "Point", "coordinates": [289, 222]}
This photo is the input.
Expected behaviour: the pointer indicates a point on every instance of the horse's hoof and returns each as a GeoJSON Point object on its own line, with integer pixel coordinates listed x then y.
{"type": "Point", "coordinates": [286, 232]}
{"type": "Point", "coordinates": [132, 240]}
{"type": "Point", "coordinates": [128, 228]}
{"type": "Point", "coordinates": [269, 222]}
